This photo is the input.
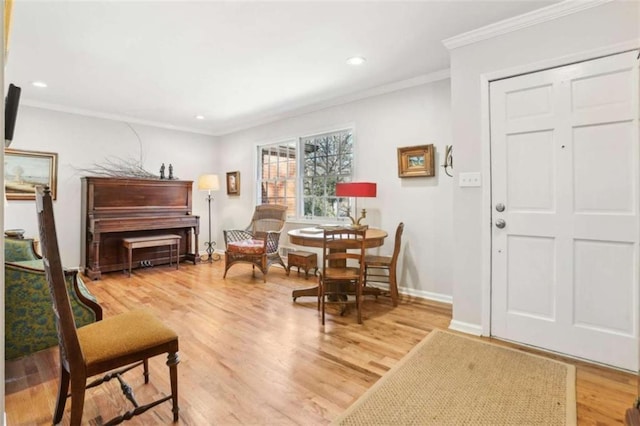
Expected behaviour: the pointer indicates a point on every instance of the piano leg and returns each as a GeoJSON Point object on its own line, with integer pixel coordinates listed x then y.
{"type": "Point", "coordinates": [93, 270]}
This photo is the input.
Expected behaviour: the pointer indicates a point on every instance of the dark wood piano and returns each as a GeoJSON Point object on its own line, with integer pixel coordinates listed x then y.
{"type": "Point", "coordinates": [116, 208]}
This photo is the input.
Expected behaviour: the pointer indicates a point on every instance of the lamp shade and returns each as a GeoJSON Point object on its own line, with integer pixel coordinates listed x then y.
{"type": "Point", "coordinates": [356, 189]}
{"type": "Point", "coordinates": [209, 182]}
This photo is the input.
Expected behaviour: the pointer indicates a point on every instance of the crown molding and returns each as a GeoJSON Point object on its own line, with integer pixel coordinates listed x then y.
{"type": "Point", "coordinates": [289, 111]}
{"type": "Point", "coordinates": [114, 117]}
{"type": "Point", "coordinates": [295, 111]}
{"type": "Point", "coordinates": [525, 20]}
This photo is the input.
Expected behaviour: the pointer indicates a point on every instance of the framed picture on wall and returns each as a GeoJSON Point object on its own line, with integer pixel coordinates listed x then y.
{"type": "Point", "coordinates": [416, 161]}
{"type": "Point", "coordinates": [233, 183]}
{"type": "Point", "coordinates": [23, 170]}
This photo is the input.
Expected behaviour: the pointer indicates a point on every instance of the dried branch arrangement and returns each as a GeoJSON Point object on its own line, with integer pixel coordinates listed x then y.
{"type": "Point", "coordinates": [119, 167]}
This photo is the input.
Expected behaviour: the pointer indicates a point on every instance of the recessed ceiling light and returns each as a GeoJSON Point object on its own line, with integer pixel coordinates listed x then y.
{"type": "Point", "coordinates": [40, 84]}
{"type": "Point", "coordinates": [356, 60]}
{"type": "Point", "coordinates": [199, 117]}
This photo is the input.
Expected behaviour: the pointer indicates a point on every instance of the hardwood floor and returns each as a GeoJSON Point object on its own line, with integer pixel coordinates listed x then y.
{"type": "Point", "coordinates": [249, 355]}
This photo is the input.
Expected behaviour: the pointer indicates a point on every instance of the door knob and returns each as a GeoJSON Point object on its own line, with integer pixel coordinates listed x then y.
{"type": "Point", "coordinates": [500, 223]}
{"type": "Point", "coordinates": [500, 207]}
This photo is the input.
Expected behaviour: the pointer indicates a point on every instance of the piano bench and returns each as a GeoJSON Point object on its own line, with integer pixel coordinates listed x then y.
{"type": "Point", "coordinates": [170, 240]}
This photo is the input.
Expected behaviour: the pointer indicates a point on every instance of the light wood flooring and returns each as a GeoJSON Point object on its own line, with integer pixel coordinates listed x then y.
{"type": "Point", "coordinates": [249, 355]}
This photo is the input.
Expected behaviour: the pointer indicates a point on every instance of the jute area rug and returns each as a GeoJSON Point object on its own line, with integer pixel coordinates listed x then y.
{"type": "Point", "coordinates": [453, 380]}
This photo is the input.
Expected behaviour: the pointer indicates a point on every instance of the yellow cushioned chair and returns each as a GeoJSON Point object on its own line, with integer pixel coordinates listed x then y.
{"type": "Point", "coordinates": [120, 342]}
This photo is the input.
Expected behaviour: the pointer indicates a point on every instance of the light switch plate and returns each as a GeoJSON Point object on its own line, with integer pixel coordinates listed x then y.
{"type": "Point", "coordinates": [470, 179]}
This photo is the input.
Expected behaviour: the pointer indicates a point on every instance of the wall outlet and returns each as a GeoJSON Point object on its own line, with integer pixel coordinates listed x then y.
{"type": "Point", "coordinates": [470, 179]}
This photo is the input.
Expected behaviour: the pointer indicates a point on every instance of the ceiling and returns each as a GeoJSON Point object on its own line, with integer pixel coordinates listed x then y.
{"type": "Point", "coordinates": [237, 63]}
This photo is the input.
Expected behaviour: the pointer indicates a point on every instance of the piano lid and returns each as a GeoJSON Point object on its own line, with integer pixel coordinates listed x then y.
{"type": "Point", "coordinates": [135, 197]}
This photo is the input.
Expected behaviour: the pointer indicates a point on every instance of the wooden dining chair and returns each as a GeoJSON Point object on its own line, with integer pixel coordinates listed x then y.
{"type": "Point", "coordinates": [338, 279]}
{"type": "Point", "coordinates": [119, 343]}
{"type": "Point", "coordinates": [382, 269]}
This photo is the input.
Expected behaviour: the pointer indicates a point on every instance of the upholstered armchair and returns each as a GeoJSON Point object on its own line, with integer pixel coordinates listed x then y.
{"type": "Point", "coordinates": [257, 244]}
{"type": "Point", "coordinates": [28, 312]}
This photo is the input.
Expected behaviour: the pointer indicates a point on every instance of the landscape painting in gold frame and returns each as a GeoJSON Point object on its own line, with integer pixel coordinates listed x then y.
{"type": "Point", "coordinates": [23, 170]}
{"type": "Point", "coordinates": [416, 161]}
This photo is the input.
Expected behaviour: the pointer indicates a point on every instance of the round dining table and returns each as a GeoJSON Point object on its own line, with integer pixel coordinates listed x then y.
{"type": "Point", "coordinates": [314, 237]}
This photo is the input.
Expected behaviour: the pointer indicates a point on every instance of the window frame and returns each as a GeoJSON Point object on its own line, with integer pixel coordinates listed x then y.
{"type": "Point", "coordinates": [298, 215]}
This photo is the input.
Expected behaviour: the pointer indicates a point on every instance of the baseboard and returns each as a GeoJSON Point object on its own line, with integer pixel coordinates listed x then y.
{"type": "Point", "coordinates": [436, 297]}
{"type": "Point", "coordinates": [465, 327]}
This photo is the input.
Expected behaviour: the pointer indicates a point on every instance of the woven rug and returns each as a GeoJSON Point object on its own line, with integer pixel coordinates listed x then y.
{"type": "Point", "coordinates": [449, 379]}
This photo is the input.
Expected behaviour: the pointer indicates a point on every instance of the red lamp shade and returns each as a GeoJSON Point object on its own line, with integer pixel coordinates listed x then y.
{"type": "Point", "coordinates": [356, 189]}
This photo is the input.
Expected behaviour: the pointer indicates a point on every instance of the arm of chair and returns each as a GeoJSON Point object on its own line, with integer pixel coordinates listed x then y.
{"type": "Point", "coordinates": [82, 294]}
{"type": "Point", "coordinates": [16, 250]}
{"type": "Point", "coordinates": [272, 241]}
{"type": "Point", "coordinates": [29, 320]}
{"type": "Point", "coordinates": [233, 235]}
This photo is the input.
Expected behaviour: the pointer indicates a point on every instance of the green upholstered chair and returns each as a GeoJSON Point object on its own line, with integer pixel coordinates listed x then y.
{"type": "Point", "coordinates": [29, 320]}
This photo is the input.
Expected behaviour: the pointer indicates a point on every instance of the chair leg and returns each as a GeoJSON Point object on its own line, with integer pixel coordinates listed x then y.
{"type": "Point", "coordinates": [146, 371]}
{"type": "Point", "coordinates": [321, 298]}
{"type": "Point", "coordinates": [63, 389]}
{"type": "Point", "coordinates": [264, 267]}
{"type": "Point", "coordinates": [172, 362]}
{"type": "Point", "coordinates": [226, 265]}
{"type": "Point", "coordinates": [78, 386]}
{"type": "Point", "coordinates": [359, 301]}
{"type": "Point", "coordinates": [393, 287]}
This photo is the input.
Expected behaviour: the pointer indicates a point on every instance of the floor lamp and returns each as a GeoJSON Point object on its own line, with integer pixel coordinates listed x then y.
{"type": "Point", "coordinates": [209, 183]}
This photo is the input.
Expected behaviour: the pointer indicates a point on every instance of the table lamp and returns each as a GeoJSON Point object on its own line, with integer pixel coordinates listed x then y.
{"type": "Point", "coordinates": [356, 190]}
{"type": "Point", "coordinates": [209, 183]}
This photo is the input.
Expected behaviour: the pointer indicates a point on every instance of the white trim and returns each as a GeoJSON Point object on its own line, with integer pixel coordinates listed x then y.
{"type": "Point", "coordinates": [466, 327]}
{"type": "Point", "coordinates": [485, 243]}
{"type": "Point", "coordinates": [615, 49]}
{"type": "Point", "coordinates": [485, 136]}
{"type": "Point", "coordinates": [114, 117]}
{"type": "Point", "coordinates": [307, 109]}
{"type": "Point", "coordinates": [436, 297]}
{"type": "Point", "coordinates": [525, 20]}
{"type": "Point", "coordinates": [289, 111]}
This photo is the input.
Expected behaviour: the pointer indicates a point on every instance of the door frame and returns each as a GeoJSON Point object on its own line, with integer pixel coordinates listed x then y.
{"type": "Point", "coordinates": [485, 138]}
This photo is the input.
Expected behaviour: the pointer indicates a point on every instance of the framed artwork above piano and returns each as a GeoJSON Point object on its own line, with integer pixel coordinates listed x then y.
{"type": "Point", "coordinates": [117, 208]}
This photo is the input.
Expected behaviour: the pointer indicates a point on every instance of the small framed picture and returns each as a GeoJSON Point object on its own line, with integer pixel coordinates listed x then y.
{"type": "Point", "coordinates": [416, 161]}
{"type": "Point", "coordinates": [233, 183]}
{"type": "Point", "coordinates": [23, 170]}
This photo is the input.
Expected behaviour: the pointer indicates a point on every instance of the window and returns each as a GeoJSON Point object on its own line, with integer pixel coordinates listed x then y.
{"type": "Point", "coordinates": [302, 174]}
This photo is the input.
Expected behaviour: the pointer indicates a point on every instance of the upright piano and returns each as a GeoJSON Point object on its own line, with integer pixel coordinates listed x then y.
{"type": "Point", "coordinates": [116, 208]}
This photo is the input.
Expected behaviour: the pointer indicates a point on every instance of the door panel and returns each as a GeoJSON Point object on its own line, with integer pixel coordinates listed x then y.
{"type": "Point", "coordinates": [604, 168]}
{"type": "Point", "coordinates": [531, 171]}
{"type": "Point", "coordinates": [564, 162]}
{"type": "Point", "coordinates": [603, 276]}
{"type": "Point", "coordinates": [531, 281]}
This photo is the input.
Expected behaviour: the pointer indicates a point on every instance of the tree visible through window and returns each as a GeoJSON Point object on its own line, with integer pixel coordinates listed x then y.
{"type": "Point", "coordinates": [322, 161]}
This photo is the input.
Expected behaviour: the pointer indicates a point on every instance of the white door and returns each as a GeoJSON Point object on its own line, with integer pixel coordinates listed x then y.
{"type": "Point", "coordinates": [565, 202]}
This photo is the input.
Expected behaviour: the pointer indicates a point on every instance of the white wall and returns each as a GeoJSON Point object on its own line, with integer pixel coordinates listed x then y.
{"type": "Point", "coordinates": [413, 116]}
{"type": "Point", "coordinates": [82, 142]}
{"type": "Point", "coordinates": [596, 28]}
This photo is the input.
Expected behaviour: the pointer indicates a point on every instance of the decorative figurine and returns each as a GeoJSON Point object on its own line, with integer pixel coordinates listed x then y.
{"type": "Point", "coordinates": [170, 172]}
{"type": "Point", "coordinates": [162, 171]}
